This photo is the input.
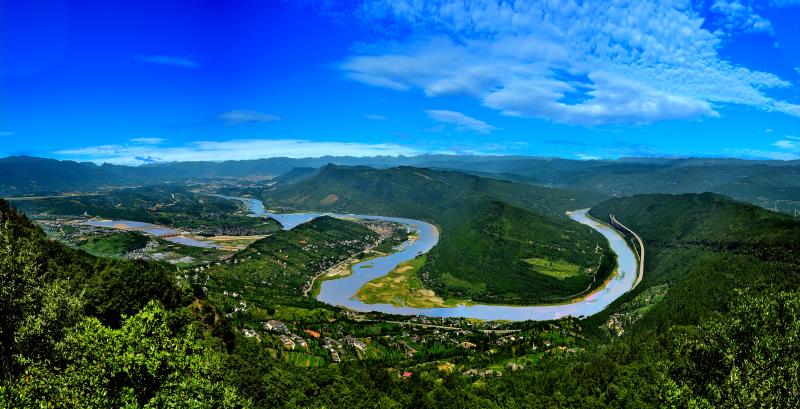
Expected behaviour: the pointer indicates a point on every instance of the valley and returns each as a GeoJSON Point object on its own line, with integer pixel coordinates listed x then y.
{"type": "Point", "coordinates": [427, 276]}
{"type": "Point", "coordinates": [400, 204]}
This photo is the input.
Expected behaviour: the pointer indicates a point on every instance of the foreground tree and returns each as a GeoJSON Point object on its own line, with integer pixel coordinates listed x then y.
{"type": "Point", "coordinates": [141, 364]}
{"type": "Point", "coordinates": [747, 358]}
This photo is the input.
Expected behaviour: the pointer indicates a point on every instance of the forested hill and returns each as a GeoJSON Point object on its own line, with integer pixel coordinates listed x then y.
{"type": "Point", "coordinates": [501, 253]}
{"type": "Point", "coordinates": [700, 247]}
{"type": "Point", "coordinates": [65, 340]}
{"type": "Point", "coordinates": [417, 192]}
{"type": "Point", "coordinates": [714, 323]}
{"type": "Point", "coordinates": [703, 218]}
{"type": "Point", "coordinates": [499, 239]}
{"type": "Point", "coordinates": [769, 183]}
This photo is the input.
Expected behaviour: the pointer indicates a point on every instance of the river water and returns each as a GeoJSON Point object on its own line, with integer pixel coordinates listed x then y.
{"type": "Point", "coordinates": [341, 291]}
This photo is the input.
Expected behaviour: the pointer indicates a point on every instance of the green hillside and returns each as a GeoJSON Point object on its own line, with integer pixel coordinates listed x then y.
{"type": "Point", "coordinates": [276, 269]}
{"type": "Point", "coordinates": [417, 192]}
{"type": "Point", "coordinates": [489, 228]}
{"type": "Point", "coordinates": [487, 257]}
{"type": "Point", "coordinates": [702, 246]}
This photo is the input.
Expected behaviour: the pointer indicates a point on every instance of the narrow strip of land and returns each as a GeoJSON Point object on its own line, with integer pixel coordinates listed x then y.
{"type": "Point", "coordinates": [639, 253]}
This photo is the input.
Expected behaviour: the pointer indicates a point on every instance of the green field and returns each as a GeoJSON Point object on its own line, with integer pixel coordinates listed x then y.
{"type": "Point", "coordinates": [402, 287]}
{"type": "Point", "coordinates": [554, 268]}
{"type": "Point", "coordinates": [113, 245]}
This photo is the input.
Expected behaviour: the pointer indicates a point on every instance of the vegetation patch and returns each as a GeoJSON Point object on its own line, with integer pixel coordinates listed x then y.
{"type": "Point", "coordinates": [114, 245]}
{"type": "Point", "coordinates": [554, 268]}
{"type": "Point", "coordinates": [402, 287]}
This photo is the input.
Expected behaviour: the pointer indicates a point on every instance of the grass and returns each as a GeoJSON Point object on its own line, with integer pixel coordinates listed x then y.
{"type": "Point", "coordinates": [402, 287]}
{"type": "Point", "coordinates": [557, 269]}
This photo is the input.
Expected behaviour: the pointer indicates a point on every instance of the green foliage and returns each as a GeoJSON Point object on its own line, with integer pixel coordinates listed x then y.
{"type": "Point", "coordinates": [749, 357]}
{"type": "Point", "coordinates": [141, 364]}
{"type": "Point", "coordinates": [32, 295]}
{"type": "Point", "coordinates": [47, 287]}
{"type": "Point", "coordinates": [123, 287]}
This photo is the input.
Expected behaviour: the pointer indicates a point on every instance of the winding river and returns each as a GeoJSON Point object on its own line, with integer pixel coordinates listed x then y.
{"type": "Point", "coordinates": [341, 291]}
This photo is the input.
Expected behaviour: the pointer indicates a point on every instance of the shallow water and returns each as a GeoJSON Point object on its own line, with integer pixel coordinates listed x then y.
{"type": "Point", "coordinates": [151, 229]}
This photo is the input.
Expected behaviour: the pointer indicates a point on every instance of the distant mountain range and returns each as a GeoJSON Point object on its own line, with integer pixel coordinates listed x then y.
{"type": "Point", "coordinates": [771, 184]}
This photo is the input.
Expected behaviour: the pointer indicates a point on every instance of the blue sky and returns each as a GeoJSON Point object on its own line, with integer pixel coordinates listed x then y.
{"type": "Point", "coordinates": [137, 82]}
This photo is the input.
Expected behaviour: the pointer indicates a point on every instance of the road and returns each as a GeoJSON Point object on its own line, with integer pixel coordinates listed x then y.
{"type": "Point", "coordinates": [640, 252]}
{"type": "Point", "coordinates": [446, 328]}
{"type": "Point", "coordinates": [351, 260]}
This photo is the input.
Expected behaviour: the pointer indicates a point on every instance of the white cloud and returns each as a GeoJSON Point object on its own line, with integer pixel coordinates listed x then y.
{"type": "Point", "coordinates": [149, 141]}
{"type": "Point", "coordinates": [588, 63]}
{"type": "Point", "coordinates": [238, 117]}
{"type": "Point", "coordinates": [790, 143]}
{"type": "Point", "coordinates": [136, 154]}
{"type": "Point", "coordinates": [738, 15]}
{"type": "Point", "coordinates": [583, 156]}
{"type": "Point", "coordinates": [786, 144]}
{"type": "Point", "coordinates": [462, 122]}
{"type": "Point", "coordinates": [167, 60]}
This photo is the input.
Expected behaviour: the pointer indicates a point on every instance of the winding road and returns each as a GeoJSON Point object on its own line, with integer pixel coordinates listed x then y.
{"type": "Point", "coordinates": [639, 252]}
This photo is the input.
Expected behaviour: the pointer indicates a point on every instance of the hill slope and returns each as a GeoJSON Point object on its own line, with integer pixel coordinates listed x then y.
{"type": "Point", "coordinates": [501, 253]}
{"type": "Point", "coordinates": [277, 268]}
{"type": "Point", "coordinates": [702, 246]}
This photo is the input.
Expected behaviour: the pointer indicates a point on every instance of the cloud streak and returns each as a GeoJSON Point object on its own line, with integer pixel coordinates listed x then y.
{"type": "Point", "coordinates": [167, 60]}
{"type": "Point", "coordinates": [239, 117]}
{"type": "Point", "coordinates": [581, 63]}
{"type": "Point", "coordinates": [148, 141]}
{"type": "Point", "coordinates": [242, 149]}
{"type": "Point", "coordinates": [375, 117]}
{"type": "Point", "coordinates": [461, 121]}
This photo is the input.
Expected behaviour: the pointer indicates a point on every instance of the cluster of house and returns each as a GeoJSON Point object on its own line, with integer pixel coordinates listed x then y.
{"type": "Point", "coordinates": [483, 373]}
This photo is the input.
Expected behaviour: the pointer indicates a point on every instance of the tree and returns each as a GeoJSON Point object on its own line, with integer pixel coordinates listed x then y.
{"type": "Point", "coordinates": [747, 358]}
{"type": "Point", "coordinates": [141, 364]}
